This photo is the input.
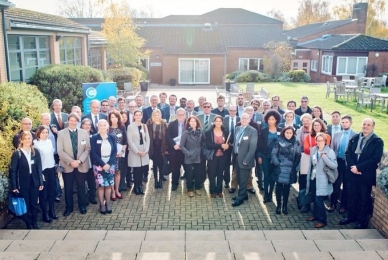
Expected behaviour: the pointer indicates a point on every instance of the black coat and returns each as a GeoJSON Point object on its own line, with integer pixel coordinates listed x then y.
{"type": "Point", "coordinates": [172, 132]}
{"type": "Point", "coordinates": [209, 134]}
{"type": "Point", "coordinates": [95, 150]}
{"type": "Point", "coordinates": [263, 150]}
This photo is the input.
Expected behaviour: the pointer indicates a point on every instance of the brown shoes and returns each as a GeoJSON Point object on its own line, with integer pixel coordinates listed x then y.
{"type": "Point", "coordinates": [213, 195]}
{"type": "Point", "coordinates": [190, 194]}
{"type": "Point", "coordinates": [311, 218]}
{"type": "Point", "coordinates": [220, 195]}
{"type": "Point", "coordinates": [198, 192]}
{"type": "Point", "coordinates": [319, 225]}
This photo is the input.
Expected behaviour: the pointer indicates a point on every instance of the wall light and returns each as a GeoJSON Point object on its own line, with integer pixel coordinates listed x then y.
{"type": "Point", "coordinates": [377, 54]}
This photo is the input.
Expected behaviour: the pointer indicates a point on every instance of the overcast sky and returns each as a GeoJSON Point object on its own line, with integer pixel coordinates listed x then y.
{"type": "Point", "coordinates": [163, 8]}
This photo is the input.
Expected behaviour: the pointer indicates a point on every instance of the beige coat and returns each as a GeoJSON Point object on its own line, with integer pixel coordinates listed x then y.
{"type": "Point", "coordinates": [65, 150]}
{"type": "Point", "coordinates": [133, 135]}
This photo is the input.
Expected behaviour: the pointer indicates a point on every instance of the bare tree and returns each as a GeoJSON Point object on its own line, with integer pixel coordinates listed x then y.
{"type": "Point", "coordinates": [278, 15]}
{"type": "Point", "coordinates": [79, 8]}
{"type": "Point", "coordinates": [312, 11]}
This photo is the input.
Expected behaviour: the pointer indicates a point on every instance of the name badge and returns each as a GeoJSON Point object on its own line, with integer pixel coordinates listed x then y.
{"type": "Point", "coordinates": [119, 135]}
{"type": "Point", "coordinates": [278, 133]}
{"type": "Point", "coordinates": [99, 141]}
{"type": "Point", "coordinates": [32, 161]}
{"type": "Point", "coordinates": [83, 142]}
{"type": "Point", "coordinates": [245, 137]}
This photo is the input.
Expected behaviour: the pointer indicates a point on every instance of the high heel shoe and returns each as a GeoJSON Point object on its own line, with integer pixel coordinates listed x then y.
{"type": "Point", "coordinates": [109, 211]}
{"type": "Point", "coordinates": [119, 196]}
{"type": "Point", "coordinates": [113, 199]}
{"type": "Point", "coordinates": [102, 209]}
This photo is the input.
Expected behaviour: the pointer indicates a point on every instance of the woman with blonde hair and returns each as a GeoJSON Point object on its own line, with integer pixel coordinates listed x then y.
{"type": "Point", "coordinates": [157, 128]}
{"type": "Point", "coordinates": [25, 173]}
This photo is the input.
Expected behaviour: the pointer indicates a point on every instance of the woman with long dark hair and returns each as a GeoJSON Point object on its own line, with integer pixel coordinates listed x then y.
{"type": "Point", "coordinates": [317, 113]}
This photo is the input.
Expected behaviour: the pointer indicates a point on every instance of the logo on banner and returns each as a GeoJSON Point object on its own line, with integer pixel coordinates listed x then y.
{"type": "Point", "coordinates": [91, 92]}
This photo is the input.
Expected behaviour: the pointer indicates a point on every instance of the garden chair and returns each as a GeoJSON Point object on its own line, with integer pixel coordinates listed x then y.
{"type": "Point", "coordinates": [329, 89]}
{"type": "Point", "coordinates": [363, 100]}
{"type": "Point", "coordinates": [340, 91]}
{"type": "Point", "coordinates": [250, 87]}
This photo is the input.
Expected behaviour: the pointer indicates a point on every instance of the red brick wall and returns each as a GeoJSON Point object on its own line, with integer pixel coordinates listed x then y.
{"type": "Point", "coordinates": [381, 61]}
{"type": "Point", "coordinates": [380, 212]}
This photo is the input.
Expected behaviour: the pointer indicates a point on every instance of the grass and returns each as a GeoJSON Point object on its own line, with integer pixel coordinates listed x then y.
{"type": "Point", "coordinates": [316, 93]}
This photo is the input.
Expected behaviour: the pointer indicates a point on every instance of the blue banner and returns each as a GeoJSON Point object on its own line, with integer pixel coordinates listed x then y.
{"type": "Point", "coordinates": [97, 90]}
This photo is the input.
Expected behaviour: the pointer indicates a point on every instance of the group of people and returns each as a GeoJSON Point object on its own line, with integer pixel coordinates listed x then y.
{"type": "Point", "coordinates": [108, 150]}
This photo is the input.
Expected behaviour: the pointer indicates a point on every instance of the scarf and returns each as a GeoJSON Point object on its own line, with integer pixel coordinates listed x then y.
{"type": "Point", "coordinates": [361, 140]}
{"type": "Point", "coordinates": [197, 133]}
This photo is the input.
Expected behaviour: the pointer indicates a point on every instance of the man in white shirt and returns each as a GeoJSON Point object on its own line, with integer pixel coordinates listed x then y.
{"type": "Point", "coordinates": [95, 115]}
{"type": "Point", "coordinates": [58, 119]}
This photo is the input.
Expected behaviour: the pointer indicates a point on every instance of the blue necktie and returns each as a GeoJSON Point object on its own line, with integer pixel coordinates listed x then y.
{"type": "Point", "coordinates": [343, 143]}
{"type": "Point", "coordinates": [231, 139]}
{"type": "Point", "coordinates": [238, 137]}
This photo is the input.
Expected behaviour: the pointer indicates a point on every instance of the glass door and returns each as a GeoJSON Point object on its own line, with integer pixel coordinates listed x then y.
{"type": "Point", "coordinates": [194, 71]}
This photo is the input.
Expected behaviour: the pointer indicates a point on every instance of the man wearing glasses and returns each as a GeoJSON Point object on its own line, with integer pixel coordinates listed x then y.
{"type": "Point", "coordinates": [105, 107]}
{"type": "Point", "coordinates": [26, 125]}
{"type": "Point", "coordinates": [95, 115]}
{"type": "Point", "coordinates": [304, 108]}
{"type": "Point", "coordinates": [275, 104]}
{"type": "Point", "coordinates": [257, 116]}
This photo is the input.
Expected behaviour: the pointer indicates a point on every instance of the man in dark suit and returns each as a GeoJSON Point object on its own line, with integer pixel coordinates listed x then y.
{"type": "Point", "coordinates": [95, 115]}
{"type": "Point", "coordinates": [275, 104]}
{"type": "Point", "coordinates": [339, 143]}
{"type": "Point", "coordinates": [206, 118]}
{"type": "Point", "coordinates": [257, 116]}
{"type": "Point", "coordinates": [121, 106]}
{"type": "Point", "coordinates": [58, 119]}
{"type": "Point", "coordinates": [363, 154]}
{"type": "Point", "coordinates": [230, 122]}
{"type": "Point", "coordinates": [147, 112]}
{"type": "Point", "coordinates": [190, 108]}
{"type": "Point", "coordinates": [304, 108]}
{"type": "Point", "coordinates": [335, 125]}
{"type": "Point", "coordinates": [163, 98]}
{"type": "Point", "coordinates": [244, 150]}
{"type": "Point", "coordinates": [220, 109]}
{"type": "Point", "coordinates": [169, 111]}
{"type": "Point", "coordinates": [174, 130]}
{"type": "Point", "coordinates": [26, 125]}
{"type": "Point", "coordinates": [291, 105]}
{"type": "Point", "coordinates": [240, 104]}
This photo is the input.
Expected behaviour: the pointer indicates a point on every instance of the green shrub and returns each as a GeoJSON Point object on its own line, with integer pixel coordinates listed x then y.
{"type": "Point", "coordinates": [232, 76]}
{"type": "Point", "coordinates": [252, 76]}
{"type": "Point", "coordinates": [123, 75]}
{"type": "Point", "coordinates": [65, 82]}
{"type": "Point", "coordinates": [18, 100]}
{"type": "Point", "coordinates": [299, 76]}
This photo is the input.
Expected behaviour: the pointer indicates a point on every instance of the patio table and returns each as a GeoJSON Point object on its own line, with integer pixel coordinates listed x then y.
{"type": "Point", "coordinates": [383, 96]}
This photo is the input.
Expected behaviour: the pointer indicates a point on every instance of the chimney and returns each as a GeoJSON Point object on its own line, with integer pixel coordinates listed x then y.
{"type": "Point", "coordinates": [360, 12]}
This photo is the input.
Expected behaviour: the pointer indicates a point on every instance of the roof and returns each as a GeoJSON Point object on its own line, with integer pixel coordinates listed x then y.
{"type": "Point", "coordinates": [95, 38]}
{"type": "Point", "coordinates": [5, 4]}
{"type": "Point", "coordinates": [23, 18]}
{"type": "Point", "coordinates": [316, 28]}
{"type": "Point", "coordinates": [350, 42]}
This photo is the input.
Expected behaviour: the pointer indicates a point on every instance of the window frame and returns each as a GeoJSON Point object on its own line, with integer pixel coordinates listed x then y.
{"type": "Point", "coordinates": [314, 65]}
{"type": "Point", "coordinates": [260, 63]}
{"type": "Point", "coordinates": [329, 65]}
{"type": "Point", "coordinates": [68, 49]}
{"type": "Point", "coordinates": [347, 65]}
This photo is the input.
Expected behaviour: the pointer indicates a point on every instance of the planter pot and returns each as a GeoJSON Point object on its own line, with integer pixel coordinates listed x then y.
{"type": "Point", "coordinates": [227, 86]}
{"type": "Point", "coordinates": [172, 82]}
{"type": "Point", "coordinates": [144, 85]}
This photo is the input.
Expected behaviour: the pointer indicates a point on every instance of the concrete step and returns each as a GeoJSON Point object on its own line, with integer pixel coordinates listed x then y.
{"type": "Point", "coordinates": [282, 244]}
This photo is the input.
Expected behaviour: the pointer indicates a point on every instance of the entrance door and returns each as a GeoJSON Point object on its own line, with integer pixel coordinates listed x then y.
{"type": "Point", "coordinates": [194, 71]}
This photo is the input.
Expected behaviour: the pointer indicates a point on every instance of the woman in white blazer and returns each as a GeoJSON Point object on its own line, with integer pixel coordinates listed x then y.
{"type": "Point", "coordinates": [138, 146]}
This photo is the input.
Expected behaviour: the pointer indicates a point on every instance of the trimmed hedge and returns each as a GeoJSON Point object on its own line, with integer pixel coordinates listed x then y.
{"type": "Point", "coordinates": [252, 76]}
{"type": "Point", "coordinates": [299, 76]}
{"type": "Point", "coordinates": [65, 82]}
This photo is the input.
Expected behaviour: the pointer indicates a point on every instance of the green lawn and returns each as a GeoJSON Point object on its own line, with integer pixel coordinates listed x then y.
{"type": "Point", "coordinates": [316, 93]}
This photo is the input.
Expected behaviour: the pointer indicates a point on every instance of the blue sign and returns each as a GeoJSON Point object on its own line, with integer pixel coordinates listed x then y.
{"type": "Point", "coordinates": [97, 90]}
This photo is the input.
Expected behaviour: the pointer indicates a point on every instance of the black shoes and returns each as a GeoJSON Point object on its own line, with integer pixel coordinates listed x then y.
{"type": "Point", "coordinates": [83, 211]}
{"type": "Point", "coordinates": [361, 225]}
{"type": "Point", "coordinates": [93, 201]}
{"type": "Point", "coordinates": [164, 178]}
{"type": "Point", "coordinates": [285, 210]}
{"type": "Point", "coordinates": [227, 186]}
{"type": "Point", "coordinates": [67, 212]}
{"type": "Point", "coordinates": [237, 203]}
{"type": "Point", "coordinates": [174, 187]}
{"type": "Point", "coordinates": [232, 190]}
{"type": "Point", "coordinates": [267, 198]}
{"type": "Point", "coordinates": [145, 179]}
{"type": "Point", "coordinates": [278, 209]}
{"type": "Point", "coordinates": [346, 221]}
{"type": "Point", "coordinates": [45, 217]}
{"type": "Point", "coordinates": [251, 191]}
{"type": "Point", "coordinates": [34, 226]}
{"type": "Point", "coordinates": [245, 198]}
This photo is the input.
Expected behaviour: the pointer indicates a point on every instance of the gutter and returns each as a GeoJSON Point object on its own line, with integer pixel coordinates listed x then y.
{"type": "Point", "coordinates": [48, 28]}
{"type": "Point", "coordinates": [5, 45]}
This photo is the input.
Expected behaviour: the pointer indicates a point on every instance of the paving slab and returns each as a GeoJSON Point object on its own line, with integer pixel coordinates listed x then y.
{"type": "Point", "coordinates": [258, 255]}
{"type": "Point", "coordinates": [19, 256]}
{"type": "Point", "coordinates": [383, 253]}
{"type": "Point", "coordinates": [11, 234]}
{"type": "Point", "coordinates": [118, 246]}
{"type": "Point", "coordinates": [165, 235]}
{"type": "Point", "coordinates": [62, 256]}
{"type": "Point", "coordinates": [369, 255]}
{"type": "Point", "coordinates": [244, 235]}
{"type": "Point", "coordinates": [209, 256]}
{"type": "Point", "coordinates": [207, 246]}
{"type": "Point", "coordinates": [112, 256]}
{"type": "Point", "coordinates": [124, 235]}
{"type": "Point", "coordinates": [30, 246]}
{"type": "Point", "coordinates": [214, 235]}
{"type": "Point", "coordinates": [323, 235]}
{"type": "Point", "coordinates": [162, 246]}
{"type": "Point", "coordinates": [81, 246]}
{"type": "Point", "coordinates": [338, 245]}
{"type": "Point", "coordinates": [4, 244]}
{"type": "Point", "coordinates": [361, 234]}
{"type": "Point", "coordinates": [373, 244]}
{"type": "Point", "coordinates": [250, 246]}
{"type": "Point", "coordinates": [300, 246]}
{"type": "Point", "coordinates": [283, 235]}
{"type": "Point", "coordinates": [89, 235]}
{"type": "Point", "coordinates": [46, 235]}
{"type": "Point", "coordinates": [161, 256]}
{"type": "Point", "coordinates": [308, 256]}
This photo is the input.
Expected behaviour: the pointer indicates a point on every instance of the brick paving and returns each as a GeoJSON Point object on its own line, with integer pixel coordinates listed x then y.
{"type": "Point", "coordinates": [167, 210]}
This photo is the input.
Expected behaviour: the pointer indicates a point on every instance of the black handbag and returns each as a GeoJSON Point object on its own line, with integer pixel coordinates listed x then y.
{"type": "Point", "coordinates": [206, 153]}
{"type": "Point", "coordinates": [167, 167]}
{"type": "Point", "coordinates": [16, 204]}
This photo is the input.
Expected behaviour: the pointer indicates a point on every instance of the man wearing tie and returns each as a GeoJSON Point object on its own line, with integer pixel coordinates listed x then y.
{"type": "Point", "coordinates": [244, 150]}
{"type": "Point", "coordinates": [190, 108]}
{"type": "Point", "coordinates": [147, 112]}
{"type": "Point", "coordinates": [169, 111]}
{"type": "Point", "coordinates": [363, 155]}
{"type": "Point", "coordinates": [58, 119]}
{"type": "Point", "coordinates": [229, 123]}
{"type": "Point", "coordinates": [95, 115]}
{"type": "Point", "coordinates": [174, 130]}
{"type": "Point", "coordinates": [73, 149]}
{"type": "Point", "coordinates": [339, 142]}
{"type": "Point", "coordinates": [335, 125]}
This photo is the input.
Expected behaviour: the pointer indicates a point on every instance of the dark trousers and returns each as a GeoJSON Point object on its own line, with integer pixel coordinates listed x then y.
{"type": "Point", "coordinates": [282, 190]}
{"type": "Point", "coordinates": [138, 173]}
{"type": "Point", "coordinates": [337, 185]}
{"type": "Point", "coordinates": [177, 160]}
{"type": "Point", "coordinates": [242, 178]}
{"type": "Point", "coordinates": [268, 171]}
{"type": "Point", "coordinates": [319, 211]}
{"type": "Point", "coordinates": [203, 171]}
{"type": "Point", "coordinates": [30, 196]}
{"type": "Point", "coordinates": [48, 194]}
{"type": "Point", "coordinates": [216, 168]}
{"type": "Point", "coordinates": [228, 158]}
{"type": "Point", "coordinates": [91, 181]}
{"type": "Point", "coordinates": [157, 167]}
{"type": "Point", "coordinates": [360, 203]}
{"type": "Point", "coordinates": [193, 173]}
{"type": "Point", "coordinates": [302, 181]}
{"type": "Point", "coordinates": [80, 179]}
{"type": "Point", "coordinates": [259, 174]}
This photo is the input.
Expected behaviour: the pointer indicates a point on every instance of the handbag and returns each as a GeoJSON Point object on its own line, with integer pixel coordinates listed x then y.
{"type": "Point", "coordinates": [16, 204]}
{"type": "Point", "coordinates": [304, 163]}
{"type": "Point", "coordinates": [206, 153]}
{"type": "Point", "coordinates": [167, 168]}
{"type": "Point", "coordinates": [332, 175]}
{"type": "Point", "coordinates": [304, 199]}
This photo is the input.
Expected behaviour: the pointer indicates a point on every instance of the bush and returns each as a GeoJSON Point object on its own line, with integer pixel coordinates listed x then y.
{"type": "Point", "coordinates": [65, 82]}
{"type": "Point", "coordinates": [252, 76]}
{"type": "Point", "coordinates": [284, 77]}
{"type": "Point", "coordinates": [123, 75]}
{"type": "Point", "coordinates": [232, 76]}
{"type": "Point", "coordinates": [299, 76]}
{"type": "Point", "coordinates": [18, 100]}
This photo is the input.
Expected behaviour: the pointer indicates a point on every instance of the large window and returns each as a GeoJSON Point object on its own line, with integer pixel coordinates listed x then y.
{"type": "Point", "coordinates": [70, 49]}
{"type": "Point", "coordinates": [145, 63]}
{"type": "Point", "coordinates": [327, 64]}
{"type": "Point", "coordinates": [314, 65]}
{"type": "Point", "coordinates": [26, 55]}
{"type": "Point", "coordinates": [250, 64]}
{"type": "Point", "coordinates": [194, 71]}
{"type": "Point", "coordinates": [95, 58]}
{"type": "Point", "coordinates": [351, 65]}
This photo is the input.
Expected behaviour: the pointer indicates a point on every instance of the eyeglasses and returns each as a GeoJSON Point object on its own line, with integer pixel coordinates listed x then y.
{"type": "Point", "coordinates": [304, 101]}
{"type": "Point", "coordinates": [206, 106]}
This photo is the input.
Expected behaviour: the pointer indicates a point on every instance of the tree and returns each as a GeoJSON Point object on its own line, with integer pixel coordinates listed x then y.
{"type": "Point", "coordinates": [124, 45]}
{"type": "Point", "coordinates": [79, 8]}
{"type": "Point", "coordinates": [375, 26]}
{"type": "Point", "coordinates": [312, 11]}
{"type": "Point", "coordinates": [278, 15]}
{"type": "Point", "coordinates": [277, 59]}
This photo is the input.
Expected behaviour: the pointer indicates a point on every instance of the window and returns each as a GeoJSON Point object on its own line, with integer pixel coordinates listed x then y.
{"type": "Point", "coordinates": [70, 50]}
{"type": "Point", "coordinates": [351, 65]}
{"type": "Point", "coordinates": [145, 63]}
{"type": "Point", "coordinates": [314, 65]}
{"type": "Point", "coordinates": [194, 71]}
{"type": "Point", "coordinates": [95, 58]}
{"type": "Point", "coordinates": [251, 64]}
{"type": "Point", "coordinates": [327, 64]}
{"type": "Point", "coordinates": [26, 55]}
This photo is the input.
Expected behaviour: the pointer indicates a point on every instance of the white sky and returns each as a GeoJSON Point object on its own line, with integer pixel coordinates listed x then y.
{"type": "Point", "coordinates": [163, 8]}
